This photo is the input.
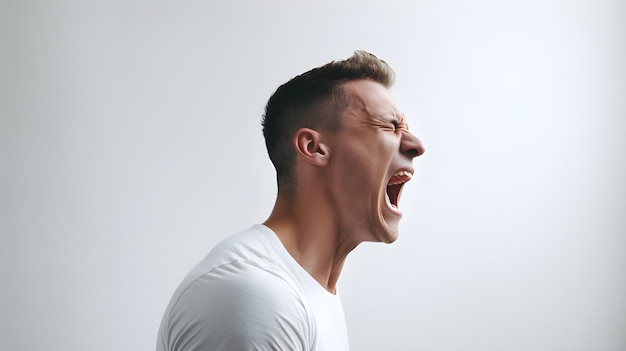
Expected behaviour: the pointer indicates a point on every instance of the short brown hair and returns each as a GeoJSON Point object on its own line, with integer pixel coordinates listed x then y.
{"type": "Point", "coordinates": [316, 100]}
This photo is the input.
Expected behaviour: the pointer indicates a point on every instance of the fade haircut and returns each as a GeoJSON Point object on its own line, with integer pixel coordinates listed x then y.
{"type": "Point", "coordinates": [315, 99]}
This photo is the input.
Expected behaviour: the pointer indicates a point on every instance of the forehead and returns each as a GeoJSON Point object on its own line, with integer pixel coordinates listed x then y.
{"type": "Point", "coordinates": [372, 99]}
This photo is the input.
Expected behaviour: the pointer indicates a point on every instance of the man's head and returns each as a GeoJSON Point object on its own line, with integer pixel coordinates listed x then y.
{"type": "Point", "coordinates": [315, 99]}
{"type": "Point", "coordinates": [336, 135]}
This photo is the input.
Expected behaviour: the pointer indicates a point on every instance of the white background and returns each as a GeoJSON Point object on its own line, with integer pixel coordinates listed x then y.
{"type": "Point", "coordinates": [130, 144]}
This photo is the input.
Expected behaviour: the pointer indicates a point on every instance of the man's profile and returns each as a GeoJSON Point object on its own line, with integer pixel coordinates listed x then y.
{"type": "Point", "coordinates": [342, 153]}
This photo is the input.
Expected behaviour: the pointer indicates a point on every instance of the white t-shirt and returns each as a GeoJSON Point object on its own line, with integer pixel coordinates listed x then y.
{"type": "Point", "coordinates": [250, 294]}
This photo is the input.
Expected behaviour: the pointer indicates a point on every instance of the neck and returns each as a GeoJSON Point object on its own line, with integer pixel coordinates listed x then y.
{"type": "Point", "coordinates": [307, 226]}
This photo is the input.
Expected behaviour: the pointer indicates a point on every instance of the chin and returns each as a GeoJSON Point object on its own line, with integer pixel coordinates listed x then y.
{"type": "Point", "coordinates": [388, 234]}
{"type": "Point", "coordinates": [386, 230]}
{"type": "Point", "coordinates": [391, 237]}
{"type": "Point", "coordinates": [392, 229]}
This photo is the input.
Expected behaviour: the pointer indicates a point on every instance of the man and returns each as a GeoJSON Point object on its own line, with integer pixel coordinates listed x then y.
{"type": "Point", "coordinates": [342, 152]}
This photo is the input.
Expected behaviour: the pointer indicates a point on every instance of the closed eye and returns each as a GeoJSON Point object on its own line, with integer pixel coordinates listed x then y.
{"type": "Point", "coordinates": [400, 125]}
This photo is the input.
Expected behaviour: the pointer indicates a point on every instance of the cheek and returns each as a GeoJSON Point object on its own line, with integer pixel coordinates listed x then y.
{"type": "Point", "coordinates": [364, 164]}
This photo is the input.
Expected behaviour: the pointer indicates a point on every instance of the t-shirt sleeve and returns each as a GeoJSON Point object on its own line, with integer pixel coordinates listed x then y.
{"type": "Point", "coordinates": [239, 307]}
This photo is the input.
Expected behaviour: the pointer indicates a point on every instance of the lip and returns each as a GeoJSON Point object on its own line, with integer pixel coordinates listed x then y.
{"type": "Point", "coordinates": [391, 208]}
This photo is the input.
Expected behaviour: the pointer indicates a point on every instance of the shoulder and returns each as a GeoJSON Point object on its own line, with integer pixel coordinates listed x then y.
{"type": "Point", "coordinates": [241, 305]}
{"type": "Point", "coordinates": [251, 244]}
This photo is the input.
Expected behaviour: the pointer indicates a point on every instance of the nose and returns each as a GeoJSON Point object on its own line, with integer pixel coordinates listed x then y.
{"type": "Point", "coordinates": [411, 146]}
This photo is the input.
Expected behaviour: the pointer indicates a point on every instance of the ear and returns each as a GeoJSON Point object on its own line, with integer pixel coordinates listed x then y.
{"type": "Point", "coordinates": [308, 145]}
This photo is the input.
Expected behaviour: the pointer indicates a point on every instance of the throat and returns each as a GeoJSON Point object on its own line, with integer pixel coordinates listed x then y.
{"type": "Point", "coordinates": [393, 192]}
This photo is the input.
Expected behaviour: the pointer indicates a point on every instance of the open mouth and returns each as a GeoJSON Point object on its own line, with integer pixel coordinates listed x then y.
{"type": "Point", "coordinates": [394, 186]}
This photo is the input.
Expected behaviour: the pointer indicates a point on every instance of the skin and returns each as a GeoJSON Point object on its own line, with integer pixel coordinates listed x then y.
{"type": "Point", "coordinates": [339, 199]}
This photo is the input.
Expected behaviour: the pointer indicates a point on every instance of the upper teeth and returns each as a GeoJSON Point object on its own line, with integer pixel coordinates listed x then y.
{"type": "Point", "coordinates": [404, 173]}
{"type": "Point", "coordinates": [403, 176]}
